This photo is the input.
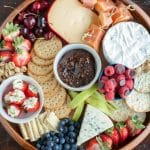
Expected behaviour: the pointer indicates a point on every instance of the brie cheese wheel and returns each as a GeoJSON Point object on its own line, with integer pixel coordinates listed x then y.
{"type": "Point", "coordinates": [127, 43]}
{"type": "Point", "coordinates": [70, 19]}
{"type": "Point", "coordinates": [94, 123]}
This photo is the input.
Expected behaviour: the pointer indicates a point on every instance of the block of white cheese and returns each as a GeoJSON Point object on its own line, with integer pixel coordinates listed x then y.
{"type": "Point", "coordinates": [94, 123]}
{"type": "Point", "coordinates": [127, 43]}
{"type": "Point", "coordinates": [70, 19]}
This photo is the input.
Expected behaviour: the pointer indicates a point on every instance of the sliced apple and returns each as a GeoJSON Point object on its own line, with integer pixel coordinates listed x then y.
{"type": "Point", "coordinates": [70, 20]}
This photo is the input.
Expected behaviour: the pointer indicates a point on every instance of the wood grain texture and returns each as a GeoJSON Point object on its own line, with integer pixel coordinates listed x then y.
{"type": "Point", "coordinates": [6, 142]}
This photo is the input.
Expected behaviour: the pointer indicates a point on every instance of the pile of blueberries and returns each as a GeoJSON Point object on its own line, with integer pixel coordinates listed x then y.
{"type": "Point", "coordinates": [64, 139]}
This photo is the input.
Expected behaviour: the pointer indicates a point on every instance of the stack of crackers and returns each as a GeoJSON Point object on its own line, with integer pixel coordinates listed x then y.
{"type": "Point", "coordinates": [34, 129]}
{"type": "Point", "coordinates": [41, 69]}
{"type": "Point", "coordinates": [139, 98]}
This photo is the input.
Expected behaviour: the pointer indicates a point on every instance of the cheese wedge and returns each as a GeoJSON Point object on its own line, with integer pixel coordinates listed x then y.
{"type": "Point", "coordinates": [94, 123]}
{"type": "Point", "coordinates": [70, 20]}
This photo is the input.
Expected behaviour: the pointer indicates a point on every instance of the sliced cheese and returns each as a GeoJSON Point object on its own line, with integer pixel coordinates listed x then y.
{"type": "Point", "coordinates": [51, 120]}
{"type": "Point", "coordinates": [40, 128]}
{"type": "Point", "coordinates": [70, 20]}
{"type": "Point", "coordinates": [24, 131]}
{"type": "Point", "coordinates": [94, 123]}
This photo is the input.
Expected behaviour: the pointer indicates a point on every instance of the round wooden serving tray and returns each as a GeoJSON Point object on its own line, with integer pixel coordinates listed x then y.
{"type": "Point", "coordinates": [13, 130]}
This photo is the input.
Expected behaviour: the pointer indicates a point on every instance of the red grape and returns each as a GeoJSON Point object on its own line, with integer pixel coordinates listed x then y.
{"type": "Point", "coordinates": [38, 32]}
{"type": "Point", "coordinates": [41, 22]}
{"type": "Point", "coordinates": [44, 4]}
{"type": "Point", "coordinates": [21, 17]}
{"type": "Point", "coordinates": [24, 31]}
{"type": "Point", "coordinates": [48, 35]}
{"type": "Point", "coordinates": [31, 37]}
{"type": "Point", "coordinates": [36, 6]}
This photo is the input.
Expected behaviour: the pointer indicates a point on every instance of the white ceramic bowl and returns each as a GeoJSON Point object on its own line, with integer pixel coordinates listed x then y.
{"type": "Point", "coordinates": [29, 116]}
{"type": "Point", "coordinates": [68, 48]}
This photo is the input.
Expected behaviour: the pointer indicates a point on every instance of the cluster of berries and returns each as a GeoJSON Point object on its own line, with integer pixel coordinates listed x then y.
{"type": "Point", "coordinates": [116, 81]}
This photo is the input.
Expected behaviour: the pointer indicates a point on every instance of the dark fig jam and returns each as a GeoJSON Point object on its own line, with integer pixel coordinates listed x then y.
{"type": "Point", "coordinates": [77, 68]}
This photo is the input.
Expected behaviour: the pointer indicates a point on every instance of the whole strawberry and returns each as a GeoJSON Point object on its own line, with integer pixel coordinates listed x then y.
{"type": "Point", "coordinates": [107, 141]}
{"type": "Point", "coordinates": [134, 126]}
{"type": "Point", "coordinates": [114, 134]}
{"type": "Point", "coordinates": [123, 131]}
{"type": "Point", "coordinates": [93, 145]}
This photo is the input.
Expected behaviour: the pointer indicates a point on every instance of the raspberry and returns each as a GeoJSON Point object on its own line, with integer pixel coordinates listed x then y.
{"type": "Point", "coordinates": [121, 80]}
{"type": "Point", "coordinates": [114, 82]}
{"type": "Point", "coordinates": [101, 86]}
{"type": "Point", "coordinates": [110, 95]}
{"type": "Point", "coordinates": [124, 91]}
{"type": "Point", "coordinates": [129, 84]}
{"type": "Point", "coordinates": [109, 71]}
{"type": "Point", "coordinates": [120, 69]}
{"type": "Point", "coordinates": [109, 86]}
{"type": "Point", "coordinates": [130, 73]}
{"type": "Point", "coordinates": [104, 78]}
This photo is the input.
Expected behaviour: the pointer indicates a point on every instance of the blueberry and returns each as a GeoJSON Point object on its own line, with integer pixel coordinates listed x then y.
{"type": "Point", "coordinates": [62, 140]}
{"type": "Point", "coordinates": [61, 135]}
{"type": "Point", "coordinates": [47, 135]}
{"type": "Point", "coordinates": [62, 123]}
{"type": "Point", "coordinates": [71, 122]}
{"type": "Point", "coordinates": [56, 139]}
{"type": "Point", "coordinates": [50, 143]}
{"type": "Point", "coordinates": [66, 120]}
{"type": "Point", "coordinates": [43, 147]}
{"type": "Point", "coordinates": [38, 145]}
{"type": "Point", "coordinates": [61, 129]}
{"type": "Point", "coordinates": [67, 139]}
{"type": "Point", "coordinates": [77, 125]}
{"type": "Point", "coordinates": [71, 128]}
{"type": "Point", "coordinates": [73, 147]}
{"type": "Point", "coordinates": [52, 133]}
{"type": "Point", "coordinates": [65, 130]}
{"type": "Point", "coordinates": [72, 140]}
{"type": "Point", "coordinates": [56, 147]}
{"type": "Point", "coordinates": [72, 134]}
{"type": "Point", "coordinates": [66, 146]}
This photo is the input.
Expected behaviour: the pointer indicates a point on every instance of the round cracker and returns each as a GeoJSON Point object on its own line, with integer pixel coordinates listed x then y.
{"type": "Point", "coordinates": [49, 86]}
{"type": "Point", "coordinates": [123, 112]}
{"type": "Point", "coordinates": [57, 100]}
{"type": "Point", "coordinates": [41, 62]}
{"type": "Point", "coordinates": [39, 70]}
{"type": "Point", "coordinates": [142, 82]}
{"type": "Point", "coordinates": [41, 79]}
{"type": "Point", "coordinates": [139, 102]}
{"type": "Point", "coordinates": [47, 49]}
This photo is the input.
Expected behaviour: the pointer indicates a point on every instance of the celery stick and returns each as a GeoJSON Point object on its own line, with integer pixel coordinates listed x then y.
{"type": "Point", "coordinates": [82, 96]}
{"type": "Point", "coordinates": [73, 94]}
{"type": "Point", "coordinates": [78, 112]}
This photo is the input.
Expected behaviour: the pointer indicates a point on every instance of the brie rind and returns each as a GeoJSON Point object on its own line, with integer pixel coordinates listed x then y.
{"type": "Point", "coordinates": [94, 123]}
{"type": "Point", "coordinates": [127, 43]}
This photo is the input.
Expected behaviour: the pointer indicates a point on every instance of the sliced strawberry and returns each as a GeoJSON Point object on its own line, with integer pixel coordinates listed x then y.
{"type": "Point", "coordinates": [21, 43]}
{"type": "Point", "coordinates": [10, 31]}
{"type": "Point", "coordinates": [5, 56]}
{"type": "Point", "coordinates": [13, 110]}
{"type": "Point", "coordinates": [6, 46]}
{"type": "Point", "coordinates": [14, 97]}
{"type": "Point", "coordinates": [31, 104]}
{"type": "Point", "coordinates": [134, 126]}
{"type": "Point", "coordinates": [114, 134]}
{"type": "Point", "coordinates": [123, 131]}
{"type": "Point", "coordinates": [21, 58]}
{"type": "Point", "coordinates": [93, 145]}
{"type": "Point", "coordinates": [107, 141]}
{"type": "Point", "coordinates": [32, 91]}
{"type": "Point", "coordinates": [19, 84]}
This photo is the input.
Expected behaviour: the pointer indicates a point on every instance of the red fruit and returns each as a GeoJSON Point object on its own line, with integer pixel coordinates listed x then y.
{"type": "Point", "coordinates": [21, 16]}
{"type": "Point", "coordinates": [36, 6]}
{"type": "Point", "coordinates": [101, 86]}
{"type": "Point", "coordinates": [109, 71]}
{"type": "Point", "coordinates": [5, 56]}
{"type": "Point", "coordinates": [20, 85]}
{"type": "Point", "coordinates": [104, 78]}
{"type": "Point", "coordinates": [21, 58]}
{"type": "Point", "coordinates": [121, 80]}
{"type": "Point", "coordinates": [109, 86]}
{"type": "Point", "coordinates": [48, 35]}
{"type": "Point", "coordinates": [13, 108]}
{"type": "Point", "coordinates": [6, 45]}
{"type": "Point", "coordinates": [130, 73]}
{"type": "Point", "coordinates": [124, 91]}
{"type": "Point", "coordinates": [134, 126]}
{"type": "Point", "coordinates": [110, 95]}
{"type": "Point", "coordinates": [31, 104]}
{"type": "Point", "coordinates": [21, 43]}
{"type": "Point", "coordinates": [32, 91]}
{"type": "Point", "coordinates": [30, 22]}
{"type": "Point", "coordinates": [106, 140]}
{"type": "Point", "coordinates": [92, 145]}
{"type": "Point", "coordinates": [123, 131]}
{"type": "Point", "coordinates": [120, 69]}
{"type": "Point", "coordinates": [44, 4]}
{"type": "Point", "coordinates": [129, 84]}
{"type": "Point", "coordinates": [114, 82]}
{"type": "Point", "coordinates": [114, 134]}
{"type": "Point", "coordinates": [10, 31]}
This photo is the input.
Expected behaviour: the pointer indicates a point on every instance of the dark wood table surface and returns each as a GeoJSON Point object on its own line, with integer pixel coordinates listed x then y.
{"type": "Point", "coordinates": [6, 142]}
